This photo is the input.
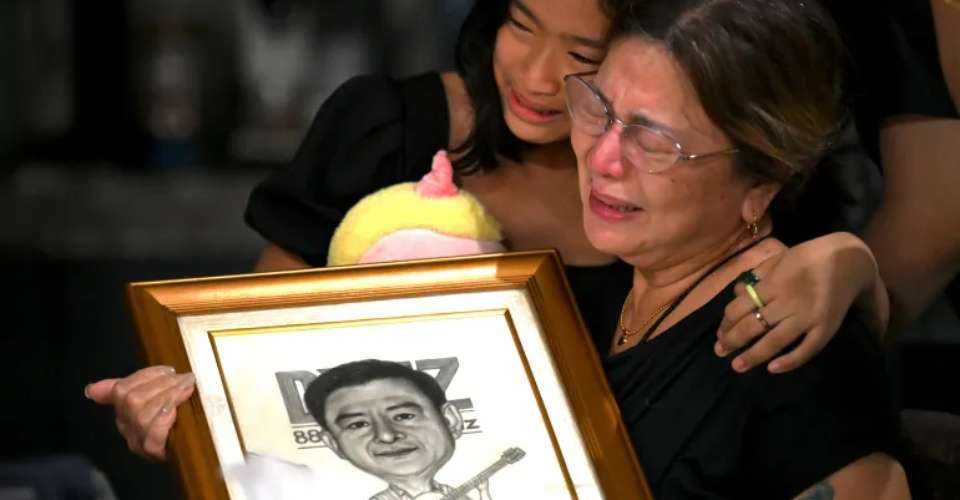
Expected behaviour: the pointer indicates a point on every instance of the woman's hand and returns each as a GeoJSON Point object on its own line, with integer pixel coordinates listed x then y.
{"type": "Point", "coordinates": [146, 401]}
{"type": "Point", "coordinates": [146, 406]}
{"type": "Point", "coordinates": [806, 291]}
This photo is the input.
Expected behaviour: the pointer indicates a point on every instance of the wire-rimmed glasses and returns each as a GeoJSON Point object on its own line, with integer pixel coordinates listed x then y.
{"type": "Point", "coordinates": [640, 144]}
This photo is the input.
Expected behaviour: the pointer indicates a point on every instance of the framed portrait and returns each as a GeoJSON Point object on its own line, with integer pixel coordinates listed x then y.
{"type": "Point", "coordinates": [469, 377]}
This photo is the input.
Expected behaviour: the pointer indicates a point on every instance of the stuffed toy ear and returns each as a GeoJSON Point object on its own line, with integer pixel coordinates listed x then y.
{"type": "Point", "coordinates": [431, 218]}
{"type": "Point", "coordinates": [438, 183]}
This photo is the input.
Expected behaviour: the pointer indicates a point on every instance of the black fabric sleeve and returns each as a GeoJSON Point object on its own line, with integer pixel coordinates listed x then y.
{"type": "Point", "coordinates": [817, 419]}
{"type": "Point", "coordinates": [845, 189]}
{"type": "Point", "coordinates": [370, 133]}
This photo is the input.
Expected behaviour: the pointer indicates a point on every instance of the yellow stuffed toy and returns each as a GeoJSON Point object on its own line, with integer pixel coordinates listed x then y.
{"type": "Point", "coordinates": [430, 218]}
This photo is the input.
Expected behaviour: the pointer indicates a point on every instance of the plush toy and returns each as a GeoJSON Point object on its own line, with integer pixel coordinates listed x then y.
{"type": "Point", "coordinates": [430, 218]}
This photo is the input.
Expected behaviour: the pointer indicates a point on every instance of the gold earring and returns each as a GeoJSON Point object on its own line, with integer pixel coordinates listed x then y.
{"type": "Point", "coordinates": [754, 227]}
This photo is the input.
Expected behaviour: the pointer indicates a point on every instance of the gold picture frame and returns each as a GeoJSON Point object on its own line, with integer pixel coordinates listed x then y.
{"type": "Point", "coordinates": [507, 322]}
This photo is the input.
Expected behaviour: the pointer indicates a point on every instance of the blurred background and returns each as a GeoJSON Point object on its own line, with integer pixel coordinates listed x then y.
{"type": "Point", "coordinates": [131, 133]}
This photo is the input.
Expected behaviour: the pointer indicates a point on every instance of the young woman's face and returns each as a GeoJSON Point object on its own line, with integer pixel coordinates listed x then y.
{"type": "Point", "coordinates": [541, 42]}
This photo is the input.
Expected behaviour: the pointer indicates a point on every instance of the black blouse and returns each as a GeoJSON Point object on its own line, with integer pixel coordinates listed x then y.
{"type": "Point", "coordinates": [703, 431]}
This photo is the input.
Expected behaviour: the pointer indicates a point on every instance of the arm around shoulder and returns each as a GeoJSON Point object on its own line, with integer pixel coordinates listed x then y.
{"type": "Point", "coordinates": [813, 285]}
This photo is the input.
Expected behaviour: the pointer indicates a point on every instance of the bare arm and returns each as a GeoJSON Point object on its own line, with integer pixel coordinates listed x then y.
{"type": "Point", "coordinates": [915, 234]}
{"type": "Point", "coordinates": [274, 258]}
{"type": "Point", "coordinates": [946, 20]}
{"type": "Point", "coordinates": [873, 477]}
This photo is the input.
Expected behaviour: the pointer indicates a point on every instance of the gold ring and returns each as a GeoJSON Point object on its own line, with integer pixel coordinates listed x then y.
{"type": "Point", "coordinates": [754, 296]}
{"type": "Point", "coordinates": [763, 321]}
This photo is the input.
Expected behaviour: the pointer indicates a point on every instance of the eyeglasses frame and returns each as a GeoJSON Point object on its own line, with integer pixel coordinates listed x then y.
{"type": "Point", "coordinates": [612, 119]}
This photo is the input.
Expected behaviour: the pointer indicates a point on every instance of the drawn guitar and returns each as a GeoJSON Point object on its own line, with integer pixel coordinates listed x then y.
{"type": "Point", "coordinates": [512, 455]}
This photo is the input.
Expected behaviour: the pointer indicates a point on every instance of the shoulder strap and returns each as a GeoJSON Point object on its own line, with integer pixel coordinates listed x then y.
{"type": "Point", "coordinates": [679, 299]}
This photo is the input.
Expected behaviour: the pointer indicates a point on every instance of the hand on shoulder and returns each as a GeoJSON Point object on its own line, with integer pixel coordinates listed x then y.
{"type": "Point", "coordinates": [806, 292]}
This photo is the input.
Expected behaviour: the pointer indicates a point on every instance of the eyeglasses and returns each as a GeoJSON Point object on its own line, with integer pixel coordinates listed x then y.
{"type": "Point", "coordinates": [640, 144]}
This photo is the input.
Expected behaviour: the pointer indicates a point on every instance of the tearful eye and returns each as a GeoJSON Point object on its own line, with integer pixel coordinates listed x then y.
{"type": "Point", "coordinates": [654, 143]}
{"type": "Point", "coordinates": [584, 59]}
{"type": "Point", "coordinates": [649, 148]}
{"type": "Point", "coordinates": [518, 25]}
{"type": "Point", "coordinates": [591, 117]}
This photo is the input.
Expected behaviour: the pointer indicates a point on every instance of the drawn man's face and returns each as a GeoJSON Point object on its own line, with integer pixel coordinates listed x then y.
{"type": "Point", "coordinates": [390, 429]}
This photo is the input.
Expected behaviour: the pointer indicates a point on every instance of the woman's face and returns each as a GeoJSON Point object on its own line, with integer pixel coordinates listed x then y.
{"type": "Point", "coordinates": [661, 219]}
{"type": "Point", "coordinates": [541, 42]}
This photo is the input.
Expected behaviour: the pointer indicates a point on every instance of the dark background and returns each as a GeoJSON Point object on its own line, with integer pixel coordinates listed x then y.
{"type": "Point", "coordinates": [131, 133]}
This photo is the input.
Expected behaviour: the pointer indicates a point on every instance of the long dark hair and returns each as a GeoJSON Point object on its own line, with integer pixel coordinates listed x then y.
{"type": "Point", "coordinates": [490, 136]}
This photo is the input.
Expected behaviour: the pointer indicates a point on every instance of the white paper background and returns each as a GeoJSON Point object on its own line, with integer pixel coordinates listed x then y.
{"type": "Point", "coordinates": [490, 373]}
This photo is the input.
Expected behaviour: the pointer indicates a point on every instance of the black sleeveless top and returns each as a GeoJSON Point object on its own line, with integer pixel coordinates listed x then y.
{"type": "Point", "coordinates": [701, 430]}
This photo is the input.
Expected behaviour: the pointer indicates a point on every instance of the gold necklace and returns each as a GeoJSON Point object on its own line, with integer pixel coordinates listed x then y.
{"type": "Point", "coordinates": [625, 333]}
